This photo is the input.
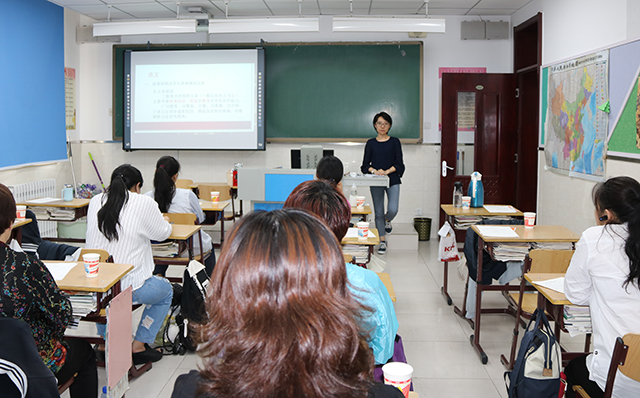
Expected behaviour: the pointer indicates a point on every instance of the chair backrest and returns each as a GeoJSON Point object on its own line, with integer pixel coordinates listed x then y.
{"type": "Point", "coordinates": [631, 367]}
{"type": "Point", "coordinates": [205, 191]}
{"type": "Point", "coordinates": [184, 184]}
{"type": "Point", "coordinates": [104, 255]}
{"type": "Point", "coordinates": [181, 218]}
{"type": "Point", "coordinates": [550, 261]}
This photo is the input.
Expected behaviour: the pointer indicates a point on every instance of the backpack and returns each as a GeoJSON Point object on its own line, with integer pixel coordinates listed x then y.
{"type": "Point", "coordinates": [536, 372]}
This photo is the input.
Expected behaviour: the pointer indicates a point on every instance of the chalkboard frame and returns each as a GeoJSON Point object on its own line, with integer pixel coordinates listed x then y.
{"type": "Point", "coordinates": [415, 135]}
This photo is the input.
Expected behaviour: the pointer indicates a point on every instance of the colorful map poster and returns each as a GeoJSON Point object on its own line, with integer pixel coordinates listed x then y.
{"type": "Point", "coordinates": [575, 126]}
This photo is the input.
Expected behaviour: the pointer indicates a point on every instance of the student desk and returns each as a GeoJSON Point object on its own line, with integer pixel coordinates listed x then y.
{"type": "Point", "coordinates": [363, 213]}
{"type": "Point", "coordinates": [183, 234]}
{"type": "Point", "coordinates": [370, 242]}
{"type": "Point", "coordinates": [453, 212]}
{"type": "Point", "coordinates": [553, 303]}
{"type": "Point", "coordinates": [16, 229]}
{"type": "Point", "coordinates": [233, 192]}
{"type": "Point", "coordinates": [539, 233]}
{"type": "Point", "coordinates": [386, 280]}
{"type": "Point", "coordinates": [215, 210]}
{"type": "Point", "coordinates": [80, 206]}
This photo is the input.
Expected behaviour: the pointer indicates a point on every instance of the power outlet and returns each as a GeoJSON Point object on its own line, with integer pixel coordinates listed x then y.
{"type": "Point", "coordinates": [418, 212]}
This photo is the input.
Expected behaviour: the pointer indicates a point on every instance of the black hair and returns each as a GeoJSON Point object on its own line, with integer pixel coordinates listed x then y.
{"type": "Point", "coordinates": [165, 187]}
{"type": "Point", "coordinates": [383, 115]}
{"type": "Point", "coordinates": [330, 168]}
{"type": "Point", "coordinates": [123, 178]}
{"type": "Point", "coordinates": [621, 196]}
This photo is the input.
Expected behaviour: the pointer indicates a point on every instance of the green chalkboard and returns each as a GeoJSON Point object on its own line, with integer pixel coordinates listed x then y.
{"type": "Point", "coordinates": [320, 92]}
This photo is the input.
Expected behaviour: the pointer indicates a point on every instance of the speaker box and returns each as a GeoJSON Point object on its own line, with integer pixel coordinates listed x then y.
{"type": "Point", "coordinates": [472, 30]}
{"type": "Point", "coordinates": [497, 30]}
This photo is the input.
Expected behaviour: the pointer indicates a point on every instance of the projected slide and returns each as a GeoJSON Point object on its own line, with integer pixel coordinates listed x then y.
{"type": "Point", "coordinates": [194, 99]}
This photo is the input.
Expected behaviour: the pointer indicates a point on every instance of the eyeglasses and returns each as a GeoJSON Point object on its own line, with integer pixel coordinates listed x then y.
{"type": "Point", "coordinates": [382, 124]}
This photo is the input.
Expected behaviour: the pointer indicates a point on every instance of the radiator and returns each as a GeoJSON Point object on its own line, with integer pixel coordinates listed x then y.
{"type": "Point", "coordinates": [34, 190]}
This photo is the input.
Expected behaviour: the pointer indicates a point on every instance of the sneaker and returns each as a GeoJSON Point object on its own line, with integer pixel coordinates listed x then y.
{"type": "Point", "coordinates": [387, 227]}
{"type": "Point", "coordinates": [148, 355]}
{"type": "Point", "coordinates": [382, 249]}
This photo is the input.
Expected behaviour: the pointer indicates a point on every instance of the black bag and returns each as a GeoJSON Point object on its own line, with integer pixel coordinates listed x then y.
{"type": "Point", "coordinates": [194, 292]}
{"type": "Point", "coordinates": [536, 372]}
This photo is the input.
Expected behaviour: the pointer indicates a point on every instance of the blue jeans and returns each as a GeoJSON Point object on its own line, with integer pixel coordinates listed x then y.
{"type": "Point", "coordinates": [156, 293]}
{"type": "Point", "coordinates": [393, 196]}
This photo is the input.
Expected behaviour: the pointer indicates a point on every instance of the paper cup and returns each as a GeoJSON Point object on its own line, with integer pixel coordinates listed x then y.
{"type": "Point", "coordinates": [363, 229]}
{"type": "Point", "coordinates": [529, 219]}
{"type": "Point", "coordinates": [466, 202]}
{"type": "Point", "coordinates": [215, 195]}
{"type": "Point", "coordinates": [360, 202]}
{"type": "Point", "coordinates": [398, 374]}
{"type": "Point", "coordinates": [91, 261]}
{"type": "Point", "coordinates": [21, 212]}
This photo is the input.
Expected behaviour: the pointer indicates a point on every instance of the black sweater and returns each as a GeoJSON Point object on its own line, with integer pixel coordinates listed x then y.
{"type": "Point", "coordinates": [383, 155]}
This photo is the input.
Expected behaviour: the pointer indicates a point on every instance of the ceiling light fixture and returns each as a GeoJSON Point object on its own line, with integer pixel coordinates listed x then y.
{"type": "Point", "coordinates": [393, 24]}
{"type": "Point", "coordinates": [151, 27]}
{"type": "Point", "coordinates": [262, 25]}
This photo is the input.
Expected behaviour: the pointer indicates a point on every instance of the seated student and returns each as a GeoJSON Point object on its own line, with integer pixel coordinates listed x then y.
{"type": "Point", "coordinates": [322, 199]}
{"type": "Point", "coordinates": [282, 321]}
{"type": "Point", "coordinates": [605, 275]}
{"type": "Point", "coordinates": [123, 223]}
{"type": "Point", "coordinates": [29, 293]}
{"type": "Point", "coordinates": [330, 168]}
{"type": "Point", "coordinates": [177, 200]}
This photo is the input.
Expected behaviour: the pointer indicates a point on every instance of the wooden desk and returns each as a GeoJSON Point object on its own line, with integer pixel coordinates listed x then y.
{"type": "Point", "coordinates": [363, 213]}
{"type": "Point", "coordinates": [215, 210]}
{"type": "Point", "coordinates": [453, 212]}
{"type": "Point", "coordinates": [370, 242]}
{"type": "Point", "coordinates": [16, 229]}
{"type": "Point", "coordinates": [184, 234]}
{"type": "Point", "coordinates": [79, 205]}
{"type": "Point", "coordinates": [233, 192]}
{"type": "Point", "coordinates": [553, 303]}
{"type": "Point", "coordinates": [539, 233]}
{"type": "Point", "coordinates": [386, 280]}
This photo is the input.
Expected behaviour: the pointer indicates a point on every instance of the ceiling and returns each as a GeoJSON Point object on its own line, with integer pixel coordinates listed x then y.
{"type": "Point", "coordinates": [166, 9]}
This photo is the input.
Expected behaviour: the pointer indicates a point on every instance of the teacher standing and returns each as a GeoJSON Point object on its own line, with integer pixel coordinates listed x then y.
{"type": "Point", "coordinates": [383, 156]}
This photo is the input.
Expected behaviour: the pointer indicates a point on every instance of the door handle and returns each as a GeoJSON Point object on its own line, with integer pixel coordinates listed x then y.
{"type": "Point", "coordinates": [445, 167]}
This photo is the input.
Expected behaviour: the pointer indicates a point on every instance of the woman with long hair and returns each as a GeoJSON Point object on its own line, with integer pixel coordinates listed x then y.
{"type": "Point", "coordinates": [383, 157]}
{"type": "Point", "coordinates": [605, 275]}
{"type": "Point", "coordinates": [123, 222]}
{"type": "Point", "coordinates": [177, 200]}
{"type": "Point", "coordinates": [282, 320]}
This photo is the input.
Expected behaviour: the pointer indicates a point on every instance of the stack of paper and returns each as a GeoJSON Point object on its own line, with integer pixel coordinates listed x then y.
{"type": "Point", "coordinates": [510, 251]}
{"type": "Point", "coordinates": [165, 249]}
{"type": "Point", "coordinates": [82, 304]}
{"type": "Point", "coordinates": [359, 252]}
{"type": "Point", "coordinates": [57, 213]}
{"type": "Point", "coordinates": [577, 320]}
{"type": "Point", "coordinates": [553, 245]}
{"type": "Point", "coordinates": [464, 222]}
{"type": "Point", "coordinates": [42, 213]}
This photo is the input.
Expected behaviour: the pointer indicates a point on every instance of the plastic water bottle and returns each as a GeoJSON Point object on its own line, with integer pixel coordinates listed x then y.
{"type": "Point", "coordinates": [457, 194]}
{"type": "Point", "coordinates": [353, 200]}
{"type": "Point", "coordinates": [476, 190]}
{"type": "Point", "coordinates": [104, 392]}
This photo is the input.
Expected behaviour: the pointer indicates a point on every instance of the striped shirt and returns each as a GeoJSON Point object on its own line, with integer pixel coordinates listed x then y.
{"type": "Point", "coordinates": [140, 223]}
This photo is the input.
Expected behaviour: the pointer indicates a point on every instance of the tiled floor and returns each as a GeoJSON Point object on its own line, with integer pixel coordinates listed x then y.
{"type": "Point", "coordinates": [436, 340]}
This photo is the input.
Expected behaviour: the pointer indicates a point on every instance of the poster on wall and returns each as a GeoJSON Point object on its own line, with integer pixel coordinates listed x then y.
{"type": "Point", "coordinates": [470, 107]}
{"type": "Point", "coordinates": [576, 115]}
{"type": "Point", "coordinates": [70, 97]}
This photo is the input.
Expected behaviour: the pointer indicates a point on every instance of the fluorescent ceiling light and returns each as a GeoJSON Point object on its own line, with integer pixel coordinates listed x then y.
{"type": "Point", "coordinates": [355, 24]}
{"type": "Point", "coordinates": [152, 27]}
{"type": "Point", "coordinates": [260, 25]}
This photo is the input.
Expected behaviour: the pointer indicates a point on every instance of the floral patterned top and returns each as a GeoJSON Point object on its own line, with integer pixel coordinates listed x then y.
{"type": "Point", "coordinates": [29, 293]}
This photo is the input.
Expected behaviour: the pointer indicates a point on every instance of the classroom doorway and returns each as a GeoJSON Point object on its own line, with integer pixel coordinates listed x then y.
{"type": "Point", "coordinates": [479, 134]}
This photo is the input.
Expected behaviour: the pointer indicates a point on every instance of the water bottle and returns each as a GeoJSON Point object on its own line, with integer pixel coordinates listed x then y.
{"type": "Point", "coordinates": [353, 197]}
{"type": "Point", "coordinates": [457, 194]}
{"type": "Point", "coordinates": [104, 392]}
{"type": "Point", "coordinates": [476, 190]}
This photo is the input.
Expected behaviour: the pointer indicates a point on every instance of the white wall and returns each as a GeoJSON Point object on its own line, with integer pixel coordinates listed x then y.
{"type": "Point", "coordinates": [570, 28]}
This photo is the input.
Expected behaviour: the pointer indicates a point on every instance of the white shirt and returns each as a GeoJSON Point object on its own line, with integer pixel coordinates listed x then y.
{"type": "Point", "coordinates": [596, 278]}
{"type": "Point", "coordinates": [140, 223]}
{"type": "Point", "coordinates": [185, 201]}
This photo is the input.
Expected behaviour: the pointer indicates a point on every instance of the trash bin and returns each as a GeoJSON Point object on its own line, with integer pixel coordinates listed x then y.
{"type": "Point", "coordinates": [423, 226]}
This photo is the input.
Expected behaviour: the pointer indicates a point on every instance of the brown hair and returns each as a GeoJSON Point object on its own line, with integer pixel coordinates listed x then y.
{"type": "Point", "coordinates": [7, 208]}
{"type": "Point", "coordinates": [321, 198]}
{"type": "Point", "coordinates": [282, 321]}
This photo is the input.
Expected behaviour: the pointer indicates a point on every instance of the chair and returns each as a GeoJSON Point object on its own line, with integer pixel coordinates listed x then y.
{"type": "Point", "coordinates": [184, 184]}
{"type": "Point", "coordinates": [204, 192]}
{"type": "Point", "coordinates": [181, 218]}
{"type": "Point", "coordinates": [537, 261]}
{"type": "Point", "coordinates": [626, 358]}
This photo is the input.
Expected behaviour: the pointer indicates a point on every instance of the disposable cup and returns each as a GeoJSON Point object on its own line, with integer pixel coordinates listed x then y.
{"type": "Point", "coordinates": [466, 202]}
{"type": "Point", "coordinates": [363, 229]}
{"type": "Point", "coordinates": [529, 219]}
{"type": "Point", "coordinates": [91, 261]}
{"type": "Point", "coordinates": [398, 374]}
{"type": "Point", "coordinates": [360, 202]}
{"type": "Point", "coordinates": [21, 212]}
{"type": "Point", "coordinates": [215, 195]}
